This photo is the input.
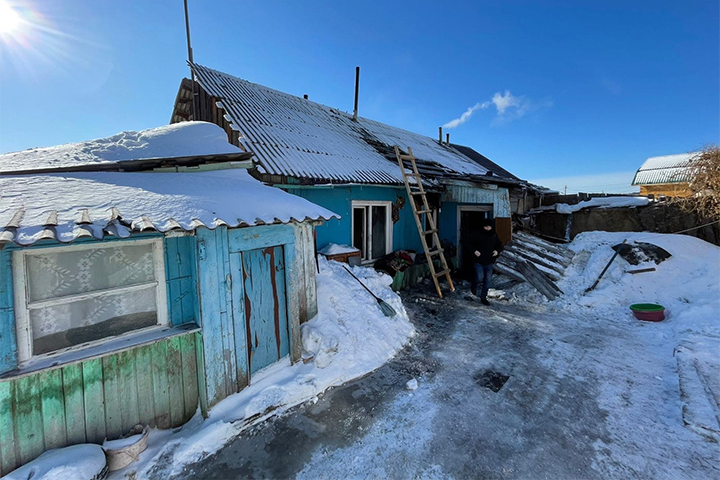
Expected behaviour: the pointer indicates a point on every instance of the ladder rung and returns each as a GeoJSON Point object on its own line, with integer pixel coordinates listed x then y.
{"type": "Point", "coordinates": [418, 193]}
{"type": "Point", "coordinates": [444, 272]}
{"type": "Point", "coordinates": [435, 252]}
{"type": "Point", "coordinates": [407, 157]}
{"type": "Point", "coordinates": [428, 232]}
{"type": "Point", "coordinates": [420, 212]}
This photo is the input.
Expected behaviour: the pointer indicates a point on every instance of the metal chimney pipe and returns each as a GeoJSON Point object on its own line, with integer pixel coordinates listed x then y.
{"type": "Point", "coordinates": [357, 90]}
{"type": "Point", "coordinates": [440, 135]}
{"type": "Point", "coordinates": [447, 138]}
{"type": "Point", "coordinates": [305, 96]}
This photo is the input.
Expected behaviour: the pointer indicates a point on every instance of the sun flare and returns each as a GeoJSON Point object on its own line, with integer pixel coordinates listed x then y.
{"type": "Point", "coordinates": [9, 18]}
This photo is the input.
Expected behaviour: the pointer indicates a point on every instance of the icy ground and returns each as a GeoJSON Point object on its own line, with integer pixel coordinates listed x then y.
{"type": "Point", "coordinates": [591, 392]}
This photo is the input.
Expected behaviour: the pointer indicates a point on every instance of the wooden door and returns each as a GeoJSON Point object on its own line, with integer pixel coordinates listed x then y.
{"type": "Point", "coordinates": [266, 321]}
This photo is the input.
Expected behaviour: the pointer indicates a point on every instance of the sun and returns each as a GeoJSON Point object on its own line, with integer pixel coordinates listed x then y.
{"type": "Point", "coordinates": [9, 18]}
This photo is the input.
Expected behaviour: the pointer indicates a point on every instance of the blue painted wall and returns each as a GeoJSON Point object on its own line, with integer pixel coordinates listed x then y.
{"type": "Point", "coordinates": [8, 344]}
{"type": "Point", "coordinates": [339, 200]}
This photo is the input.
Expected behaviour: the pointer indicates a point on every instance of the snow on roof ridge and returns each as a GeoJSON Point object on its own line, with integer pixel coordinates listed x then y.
{"type": "Point", "coordinates": [186, 139]}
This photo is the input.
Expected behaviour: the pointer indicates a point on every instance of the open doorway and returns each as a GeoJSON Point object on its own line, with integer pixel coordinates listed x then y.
{"type": "Point", "coordinates": [469, 221]}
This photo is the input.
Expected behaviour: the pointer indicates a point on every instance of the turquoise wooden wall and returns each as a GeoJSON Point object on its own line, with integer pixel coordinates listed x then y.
{"type": "Point", "coordinates": [8, 343]}
{"type": "Point", "coordinates": [98, 398]}
{"type": "Point", "coordinates": [222, 298]}
{"type": "Point", "coordinates": [339, 200]}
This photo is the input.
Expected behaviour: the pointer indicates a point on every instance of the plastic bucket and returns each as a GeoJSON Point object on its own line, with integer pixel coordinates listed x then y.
{"type": "Point", "coordinates": [648, 312]}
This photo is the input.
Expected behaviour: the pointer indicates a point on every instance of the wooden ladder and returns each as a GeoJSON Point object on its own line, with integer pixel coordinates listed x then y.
{"type": "Point", "coordinates": [420, 192]}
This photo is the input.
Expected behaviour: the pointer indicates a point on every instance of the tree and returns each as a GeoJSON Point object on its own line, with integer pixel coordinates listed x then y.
{"type": "Point", "coordinates": [705, 183]}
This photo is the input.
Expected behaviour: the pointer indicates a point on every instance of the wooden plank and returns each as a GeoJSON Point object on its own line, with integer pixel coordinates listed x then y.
{"type": "Point", "coordinates": [238, 314]}
{"type": "Point", "coordinates": [538, 258]}
{"type": "Point", "coordinates": [226, 319]}
{"type": "Point", "coordinates": [551, 247]}
{"type": "Point", "coordinates": [209, 279]}
{"type": "Point", "coordinates": [260, 237]}
{"type": "Point", "coordinates": [9, 459]}
{"type": "Point", "coordinates": [296, 295]}
{"type": "Point", "coordinates": [129, 411]}
{"type": "Point", "coordinates": [53, 408]}
{"type": "Point", "coordinates": [93, 396]}
{"type": "Point", "coordinates": [28, 418]}
{"type": "Point", "coordinates": [189, 372]}
{"type": "Point", "coordinates": [111, 389]}
{"type": "Point", "coordinates": [144, 378]}
{"type": "Point", "coordinates": [275, 256]}
{"type": "Point", "coordinates": [175, 382]}
{"type": "Point", "coordinates": [8, 343]}
{"type": "Point", "coordinates": [202, 390]}
{"type": "Point", "coordinates": [161, 389]}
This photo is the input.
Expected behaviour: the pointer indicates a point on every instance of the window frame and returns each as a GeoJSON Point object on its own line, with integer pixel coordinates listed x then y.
{"type": "Point", "coordinates": [367, 239]}
{"type": "Point", "coordinates": [23, 326]}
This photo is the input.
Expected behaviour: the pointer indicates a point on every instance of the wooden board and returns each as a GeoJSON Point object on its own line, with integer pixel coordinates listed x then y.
{"type": "Point", "coordinates": [97, 398]}
{"type": "Point", "coordinates": [265, 306]}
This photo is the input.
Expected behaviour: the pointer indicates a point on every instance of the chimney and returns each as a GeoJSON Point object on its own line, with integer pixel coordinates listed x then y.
{"type": "Point", "coordinates": [440, 135]}
{"type": "Point", "coordinates": [305, 96]}
{"type": "Point", "coordinates": [357, 89]}
{"type": "Point", "coordinates": [447, 138]}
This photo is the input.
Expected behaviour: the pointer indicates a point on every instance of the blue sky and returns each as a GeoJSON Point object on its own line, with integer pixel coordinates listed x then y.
{"type": "Point", "coordinates": [569, 93]}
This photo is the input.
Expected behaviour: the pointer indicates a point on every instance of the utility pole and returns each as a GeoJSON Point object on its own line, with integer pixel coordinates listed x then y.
{"type": "Point", "coordinates": [190, 59]}
{"type": "Point", "coordinates": [565, 189]}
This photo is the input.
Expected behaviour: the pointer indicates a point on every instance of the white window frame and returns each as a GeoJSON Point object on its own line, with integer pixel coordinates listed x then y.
{"type": "Point", "coordinates": [368, 231]}
{"type": "Point", "coordinates": [22, 317]}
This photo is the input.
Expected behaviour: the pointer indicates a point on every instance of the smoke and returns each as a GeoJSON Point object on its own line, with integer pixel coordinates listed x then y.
{"type": "Point", "coordinates": [508, 107]}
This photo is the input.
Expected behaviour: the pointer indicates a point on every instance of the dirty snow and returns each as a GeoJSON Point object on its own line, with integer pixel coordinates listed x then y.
{"type": "Point", "coordinates": [185, 139]}
{"type": "Point", "coordinates": [347, 339]}
{"type": "Point", "coordinates": [78, 462]}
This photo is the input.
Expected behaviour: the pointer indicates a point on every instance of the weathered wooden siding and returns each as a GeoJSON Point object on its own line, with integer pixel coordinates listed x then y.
{"type": "Point", "coordinates": [98, 398]}
{"type": "Point", "coordinates": [222, 298]}
{"type": "Point", "coordinates": [472, 194]}
{"type": "Point", "coordinates": [181, 279]}
{"type": "Point", "coordinates": [8, 344]}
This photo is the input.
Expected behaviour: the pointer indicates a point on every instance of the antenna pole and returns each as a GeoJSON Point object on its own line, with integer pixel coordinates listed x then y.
{"type": "Point", "coordinates": [190, 59]}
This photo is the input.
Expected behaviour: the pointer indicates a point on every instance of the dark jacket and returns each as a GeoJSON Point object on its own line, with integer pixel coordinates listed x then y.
{"type": "Point", "coordinates": [484, 242]}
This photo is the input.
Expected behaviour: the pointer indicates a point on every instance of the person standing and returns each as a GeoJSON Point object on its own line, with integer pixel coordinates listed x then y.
{"type": "Point", "coordinates": [486, 246]}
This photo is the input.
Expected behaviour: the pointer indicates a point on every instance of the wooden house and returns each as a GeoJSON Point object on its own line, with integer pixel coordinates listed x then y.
{"type": "Point", "coordinates": [347, 164]}
{"type": "Point", "coordinates": [141, 297]}
{"type": "Point", "coordinates": [667, 176]}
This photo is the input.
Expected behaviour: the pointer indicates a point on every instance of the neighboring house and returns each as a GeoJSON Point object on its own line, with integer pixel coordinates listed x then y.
{"type": "Point", "coordinates": [667, 176]}
{"type": "Point", "coordinates": [347, 164]}
{"type": "Point", "coordinates": [135, 298]}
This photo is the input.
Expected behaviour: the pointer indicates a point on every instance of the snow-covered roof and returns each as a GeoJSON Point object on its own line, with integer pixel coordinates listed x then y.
{"type": "Point", "coordinates": [665, 169]}
{"type": "Point", "coordinates": [596, 202]}
{"type": "Point", "coordinates": [181, 140]}
{"type": "Point", "coordinates": [292, 136]}
{"type": "Point", "coordinates": [65, 207]}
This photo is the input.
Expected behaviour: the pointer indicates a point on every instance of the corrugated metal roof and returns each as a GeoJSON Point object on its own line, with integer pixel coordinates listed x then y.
{"type": "Point", "coordinates": [292, 136]}
{"type": "Point", "coordinates": [665, 169]}
{"type": "Point", "coordinates": [65, 207]}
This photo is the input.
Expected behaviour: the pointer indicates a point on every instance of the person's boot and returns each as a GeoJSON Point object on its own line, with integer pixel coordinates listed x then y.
{"type": "Point", "coordinates": [484, 301]}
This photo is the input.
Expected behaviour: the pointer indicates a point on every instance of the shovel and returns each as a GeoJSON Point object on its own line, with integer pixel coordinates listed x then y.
{"type": "Point", "coordinates": [591, 288]}
{"type": "Point", "coordinates": [386, 309]}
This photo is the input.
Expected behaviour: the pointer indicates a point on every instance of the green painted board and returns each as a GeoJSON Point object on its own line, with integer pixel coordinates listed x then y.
{"type": "Point", "coordinates": [94, 401]}
{"type": "Point", "coordinates": [161, 390]}
{"type": "Point", "coordinates": [145, 394]}
{"type": "Point", "coordinates": [175, 382]}
{"type": "Point", "coordinates": [8, 457]}
{"type": "Point", "coordinates": [28, 418]}
{"type": "Point", "coordinates": [111, 387]}
{"type": "Point", "coordinates": [190, 380]}
{"type": "Point", "coordinates": [53, 408]}
{"type": "Point", "coordinates": [128, 391]}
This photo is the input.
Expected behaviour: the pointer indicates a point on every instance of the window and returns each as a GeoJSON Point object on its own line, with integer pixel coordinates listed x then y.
{"type": "Point", "coordinates": [71, 296]}
{"type": "Point", "coordinates": [372, 229]}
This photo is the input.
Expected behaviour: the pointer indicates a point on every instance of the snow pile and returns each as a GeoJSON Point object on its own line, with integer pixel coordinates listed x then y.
{"type": "Point", "coordinates": [185, 139]}
{"type": "Point", "coordinates": [335, 249]}
{"type": "Point", "coordinates": [348, 338]}
{"type": "Point", "coordinates": [687, 284]}
{"type": "Point", "coordinates": [167, 200]}
{"type": "Point", "coordinates": [597, 202]}
{"type": "Point", "coordinates": [78, 462]}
